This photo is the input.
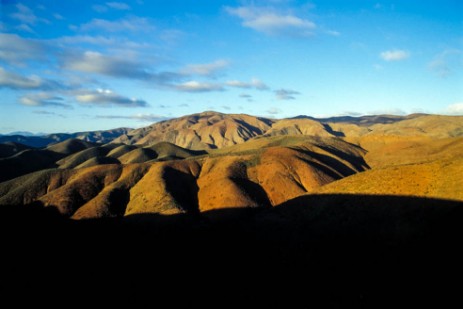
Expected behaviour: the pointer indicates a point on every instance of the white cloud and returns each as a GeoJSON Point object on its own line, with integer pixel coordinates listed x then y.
{"type": "Point", "coordinates": [333, 32]}
{"type": "Point", "coordinates": [25, 15]}
{"type": "Point", "coordinates": [118, 6]}
{"type": "Point", "coordinates": [205, 69]}
{"type": "Point", "coordinates": [446, 62]}
{"type": "Point", "coordinates": [48, 113]}
{"type": "Point", "coordinates": [171, 36]}
{"type": "Point", "coordinates": [139, 117]}
{"type": "Point", "coordinates": [130, 24]}
{"type": "Point", "coordinates": [58, 16]}
{"type": "Point", "coordinates": [274, 111]}
{"type": "Point", "coordinates": [245, 96]}
{"type": "Point", "coordinates": [195, 86]}
{"type": "Point", "coordinates": [106, 97]}
{"type": "Point", "coordinates": [271, 22]}
{"type": "Point", "coordinates": [95, 62]}
{"type": "Point", "coordinates": [286, 94]}
{"type": "Point", "coordinates": [387, 111]}
{"type": "Point", "coordinates": [254, 83]}
{"type": "Point", "coordinates": [18, 82]}
{"type": "Point", "coordinates": [350, 114]}
{"type": "Point", "coordinates": [15, 49]}
{"type": "Point", "coordinates": [100, 8]}
{"type": "Point", "coordinates": [25, 28]}
{"type": "Point", "coordinates": [43, 99]}
{"type": "Point", "coordinates": [121, 6]}
{"type": "Point", "coordinates": [101, 41]}
{"type": "Point", "coordinates": [455, 109]}
{"type": "Point", "coordinates": [394, 55]}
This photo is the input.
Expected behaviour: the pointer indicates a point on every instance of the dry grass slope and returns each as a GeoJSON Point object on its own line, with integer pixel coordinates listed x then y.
{"type": "Point", "coordinates": [200, 131]}
{"type": "Point", "coordinates": [418, 166]}
{"type": "Point", "coordinates": [251, 162]}
{"type": "Point", "coordinates": [281, 168]}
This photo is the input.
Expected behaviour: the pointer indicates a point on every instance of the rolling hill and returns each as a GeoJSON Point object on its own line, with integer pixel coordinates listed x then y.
{"type": "Point", "coordinates": [102, 137]}
{"type": "Point", "coordinates": [208, 161]}
{"type": "Point", "coordinates": [200, 131]}
{"type": "Point", "coordinates": [212, 130]}
{"type": "Point", "coordinates": [261, 173]}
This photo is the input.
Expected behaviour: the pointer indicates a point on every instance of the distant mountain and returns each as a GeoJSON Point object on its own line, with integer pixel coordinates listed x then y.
{"type": "Point", "coordinates": [211, 130]}
{"type": "Point", "coordinates": [206, 130]}
{"type": "Point", "coordinates": [24, 133]}
{"type": "Point", "coordinates": [102, 137]}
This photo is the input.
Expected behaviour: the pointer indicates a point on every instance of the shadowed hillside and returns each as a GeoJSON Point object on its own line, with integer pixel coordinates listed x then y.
{"type": "Point", "coordinates": [32, 159]}
{"type": "Point", "coordinates": [332, 251]}
{"type": "Point", "coordinates": [101, 137]}
{"type": "Point", "coordinates": [10, 148]}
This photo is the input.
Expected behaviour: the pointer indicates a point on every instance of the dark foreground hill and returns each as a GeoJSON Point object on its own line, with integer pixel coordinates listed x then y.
{"type": "Point", "coordinates": [328, 251]}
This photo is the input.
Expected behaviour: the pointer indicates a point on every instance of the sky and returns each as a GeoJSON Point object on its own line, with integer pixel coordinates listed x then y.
{"type": "Point", "coordinates": [76, 65]}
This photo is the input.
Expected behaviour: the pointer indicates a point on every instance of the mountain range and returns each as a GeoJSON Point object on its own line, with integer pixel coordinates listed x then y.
{"type": "Point", "coordinates": [43, 140]}
{"type": "Point", "coordinates": [211, 160]}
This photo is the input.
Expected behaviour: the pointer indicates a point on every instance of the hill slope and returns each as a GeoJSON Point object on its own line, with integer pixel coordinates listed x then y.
{"type": "Point", "coordinates": [251, 162]}
{"type": "Point", "coordinates": [280, 169]}
{"type": "Point", "coordinates": [101, 137]}
{"type": "Point", "coordinates": [200, 131]}
{"type": "Point", "coordinates": [211, 130]}
{"type": "Point", "coordinates": [425, 167]}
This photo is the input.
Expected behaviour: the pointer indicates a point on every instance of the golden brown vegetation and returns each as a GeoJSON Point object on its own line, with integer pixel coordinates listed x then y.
{"type": "Point", "coordinates": [251, 162]}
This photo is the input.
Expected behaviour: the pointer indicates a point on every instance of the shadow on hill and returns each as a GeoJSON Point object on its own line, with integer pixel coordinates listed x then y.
{"type": "Point", "coordinates": [330, 130]}
{"type": "Point", "coordinates": [333, 250]}
{"type": "Point", "coordinates": [184, 187]}
{"type": "Point", "coordinates": [27, 161]}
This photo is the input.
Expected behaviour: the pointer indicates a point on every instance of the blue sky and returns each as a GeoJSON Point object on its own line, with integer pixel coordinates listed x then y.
{"type": "Point", "coordinates": [75, 65]}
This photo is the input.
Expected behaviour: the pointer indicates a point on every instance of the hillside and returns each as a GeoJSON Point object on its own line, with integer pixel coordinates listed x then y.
{"type": "Point", "coordinates": [264, 175]}
{"type": "Point", "coordinates": [212, 130]}
{"type": "Point", "coordinates": [200, 131]}
{"type": "Point", "coordinates": [76, 153]}
{"type": "Point", "coordinates": [426, 169]}
{"type": "Point", "coordinates": [10, 148]}
{"type": "Point", "coordinates": [238, 161]}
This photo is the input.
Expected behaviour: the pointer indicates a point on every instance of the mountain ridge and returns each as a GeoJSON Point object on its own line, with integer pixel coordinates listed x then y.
{"type": "Point", "coordinates": [210, 129]}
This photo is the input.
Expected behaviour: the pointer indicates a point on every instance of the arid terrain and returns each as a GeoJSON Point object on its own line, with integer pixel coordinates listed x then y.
{"type": "Point", "coordinates": [340, 193]}
{"type": "Point", "coordinates": [212, 161]}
